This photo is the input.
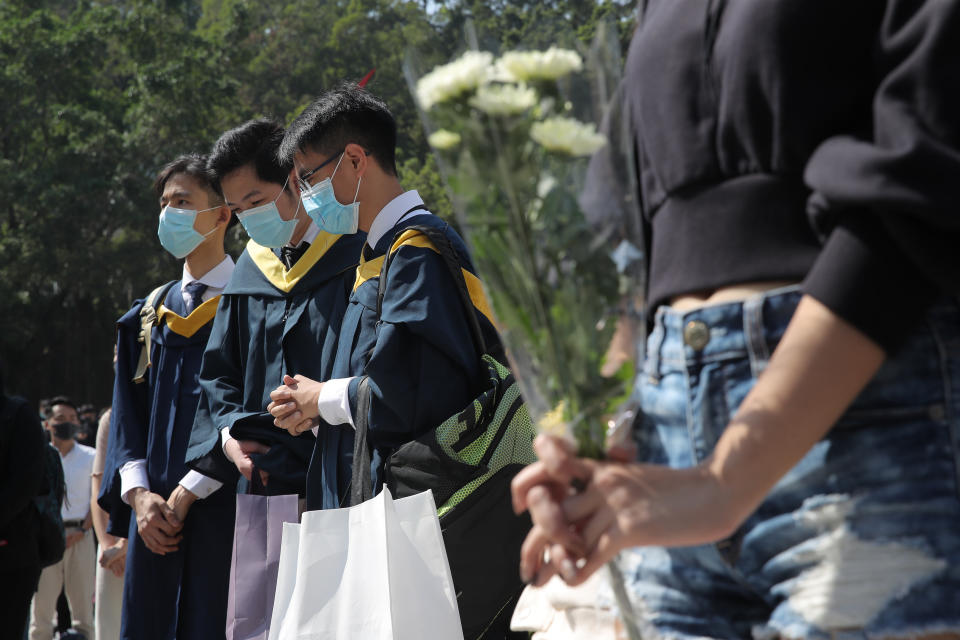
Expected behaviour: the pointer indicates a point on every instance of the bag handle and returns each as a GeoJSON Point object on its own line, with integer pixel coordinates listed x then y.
{"type": "Point", "coordinates": [443, 246]}
{"type": "Point", "coordinates": [361, 479]}
{"type": "Point", "coordinates": [148, 319]}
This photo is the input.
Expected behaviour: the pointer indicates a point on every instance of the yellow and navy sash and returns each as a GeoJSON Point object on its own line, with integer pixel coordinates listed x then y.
{"type": "Point", "coordinates": [369, 269]}
{"type": "Point", "coordinates": [188, 326]}
{"type": "Point", "coordinates": [274, 270]}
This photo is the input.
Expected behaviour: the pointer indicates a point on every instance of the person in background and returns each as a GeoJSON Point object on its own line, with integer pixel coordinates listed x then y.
{"type": "Point", "coordinates": [112, 556]}
{"type": "Point", "coordinates": [87, 434]}
{"type": "Point", "coordinates": [75, 572]}
{"type": "Point", "coordinates": [21, 478]}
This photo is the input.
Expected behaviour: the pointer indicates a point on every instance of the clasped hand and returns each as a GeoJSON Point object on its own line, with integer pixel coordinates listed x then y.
{"type": "Point", "coordinates": [294, 404]}
{"type": "Point", "coordinates": [113, 556]}
{"type": "Point", "coordinates": [157, 523]}
{"type": "Point", "coordinates": [238, 451]}
{"type": "Point", "coordinates": [618, 505]}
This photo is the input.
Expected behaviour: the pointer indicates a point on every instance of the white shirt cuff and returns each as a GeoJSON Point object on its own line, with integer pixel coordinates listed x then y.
{"type": "Point", "coordinates": [224, 438]}
{"type": "Point", "coordinates": [334, 402]}
{"type": "Point", "coordinates": [199, 484]}
{"type": "Point", "coordinates": [133, 474]}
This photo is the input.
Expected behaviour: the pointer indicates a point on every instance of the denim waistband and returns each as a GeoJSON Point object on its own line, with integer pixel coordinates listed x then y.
{"type": "Point", "coordinates": [744, 328]}
{"type": "Point", "coordinates": [753, 327]}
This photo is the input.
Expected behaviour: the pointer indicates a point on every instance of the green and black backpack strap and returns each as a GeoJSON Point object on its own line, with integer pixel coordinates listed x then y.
{"type": "Point", "coordinates": [148, 320]}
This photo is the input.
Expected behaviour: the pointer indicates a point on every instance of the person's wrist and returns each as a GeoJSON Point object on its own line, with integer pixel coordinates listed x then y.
{"type": "Point", "coordinates": [134, 496]}
{"type": "Point", "coordinates": [230, 447]}
{"type": "Point", "coordinates": [721, 504]}
{"type": "Point", "coordinates": [183, 496]}
{"type": "Point", "coordinates": [314, 403]}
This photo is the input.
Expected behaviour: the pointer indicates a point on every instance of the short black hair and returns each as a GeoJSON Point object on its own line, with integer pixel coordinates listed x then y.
{"type": "Point", "coordinates": [341, 116]}
{"type": "Point", "coordinates": [193, 165]}
{"type": "Point", "coordinates": [64, 400]}
{"type": "Point", "coordinates": [255, 143]}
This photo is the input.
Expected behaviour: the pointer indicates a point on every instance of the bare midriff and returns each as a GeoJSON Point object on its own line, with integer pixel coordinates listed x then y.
{"type": "Point", "coordinates": [731, 293]}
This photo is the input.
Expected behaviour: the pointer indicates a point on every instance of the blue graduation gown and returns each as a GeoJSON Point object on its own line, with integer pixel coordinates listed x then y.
{"type": "Point", "coordinates": [183, 594]}
{"type": "Point", "coordinates": [271, 321]}
{"type": "Point", "coordinates": [421, 360]}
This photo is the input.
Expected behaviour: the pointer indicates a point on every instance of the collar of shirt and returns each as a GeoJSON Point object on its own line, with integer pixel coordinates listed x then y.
{"type": "Point", "coordinates": [393, 213]}
{"type": "Point", "coordinates": [309, 236]}
{"type": "Point", "coordinates": [216, 279]}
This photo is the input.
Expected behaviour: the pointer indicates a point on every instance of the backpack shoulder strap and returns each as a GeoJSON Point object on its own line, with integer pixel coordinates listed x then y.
{"type": "Point", "coordinates": [441, 244]}
{"type": "Point", "coordinates": [148, 320]}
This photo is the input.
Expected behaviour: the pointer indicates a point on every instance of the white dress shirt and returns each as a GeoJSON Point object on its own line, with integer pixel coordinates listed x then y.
{"type": "Point", "coordinates": [77, 467]}
{"type": "Point", "coordinates": [133, 474]}
{"type": "Point", "coordinates": [334, 401]}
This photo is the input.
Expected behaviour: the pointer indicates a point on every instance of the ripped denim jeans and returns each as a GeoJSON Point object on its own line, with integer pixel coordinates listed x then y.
{"type": "Point", "coordinates": [860, 540]}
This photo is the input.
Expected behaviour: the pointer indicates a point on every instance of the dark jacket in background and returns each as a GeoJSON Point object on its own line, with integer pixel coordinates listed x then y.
{"type": "Point", "coordinates": [21, 478]}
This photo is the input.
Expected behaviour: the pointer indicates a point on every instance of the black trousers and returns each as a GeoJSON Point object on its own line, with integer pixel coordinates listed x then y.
{"type": "Point", "coordinates": [19, 586]}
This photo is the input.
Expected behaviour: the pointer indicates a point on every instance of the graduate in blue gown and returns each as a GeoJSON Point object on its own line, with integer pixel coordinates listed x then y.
{"type": "Point", "coordinates": [420, 357]}
{"type": "Point", "coordinates": [175, 519]}
{"type": "Point", "coordinates": [280, 313]}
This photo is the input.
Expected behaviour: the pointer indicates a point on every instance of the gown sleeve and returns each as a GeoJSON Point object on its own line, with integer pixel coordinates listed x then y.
{"type": "Point", "coordinates": [128, 423]}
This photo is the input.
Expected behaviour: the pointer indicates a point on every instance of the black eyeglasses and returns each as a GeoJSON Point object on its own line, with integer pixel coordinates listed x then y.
{"type": "Point", "coordinates": [306, 176]}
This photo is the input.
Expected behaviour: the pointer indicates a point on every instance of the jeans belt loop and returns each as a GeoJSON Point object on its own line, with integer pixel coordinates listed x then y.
{"type": "Point", "coordinates": [654, 344]}
{"type": "Point", "coordinates": [753, 330]}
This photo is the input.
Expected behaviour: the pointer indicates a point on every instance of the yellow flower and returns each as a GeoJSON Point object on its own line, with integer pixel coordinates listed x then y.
{"type": "Point", "coordinates": [443, 139]}
{"type": "Point", "coordinates": [553, 423]}
{"type": "Point", "coordinates": [568, 136]}
{"type": "Point", "coordinates": [551, 64]}
{"type": "Point", "coordinates": [452, 80]}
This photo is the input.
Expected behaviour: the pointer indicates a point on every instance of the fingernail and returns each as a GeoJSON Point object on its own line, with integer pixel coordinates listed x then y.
{"type": "Point", "coordinates": [567, 569]}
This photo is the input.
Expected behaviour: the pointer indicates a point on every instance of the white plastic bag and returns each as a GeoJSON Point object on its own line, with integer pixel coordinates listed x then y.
{"type": "Point", "coordinates": [374, 571]}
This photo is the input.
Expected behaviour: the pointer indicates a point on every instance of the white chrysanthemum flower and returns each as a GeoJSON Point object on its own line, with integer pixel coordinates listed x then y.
{"type": "Point", "coordinates": [451, 80]}
{"type": "Point", "coordinates": [568, 135]}
{"type": "Point", "coordinates": [539, 65]}
{"type": "Point", "coordinates": [503, 99]}
{"type": "Point", "coordinates": [443, 139]}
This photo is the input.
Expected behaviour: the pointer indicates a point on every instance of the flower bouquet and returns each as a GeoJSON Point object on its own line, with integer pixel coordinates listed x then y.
{"type": "Point", "coordinates": [515, 137]}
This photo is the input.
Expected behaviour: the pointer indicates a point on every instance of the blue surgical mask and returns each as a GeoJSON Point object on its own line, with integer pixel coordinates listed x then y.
{"type": "Point", "coordinates": [265, 226]}
{"type": "Point", "coordinates": [176, 231]}
{"type": "Point", "coordinates": [322, 206]}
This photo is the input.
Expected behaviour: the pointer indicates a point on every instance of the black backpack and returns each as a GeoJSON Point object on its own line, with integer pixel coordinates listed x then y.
{"type": "Point", "coordinates": [467, 462]}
